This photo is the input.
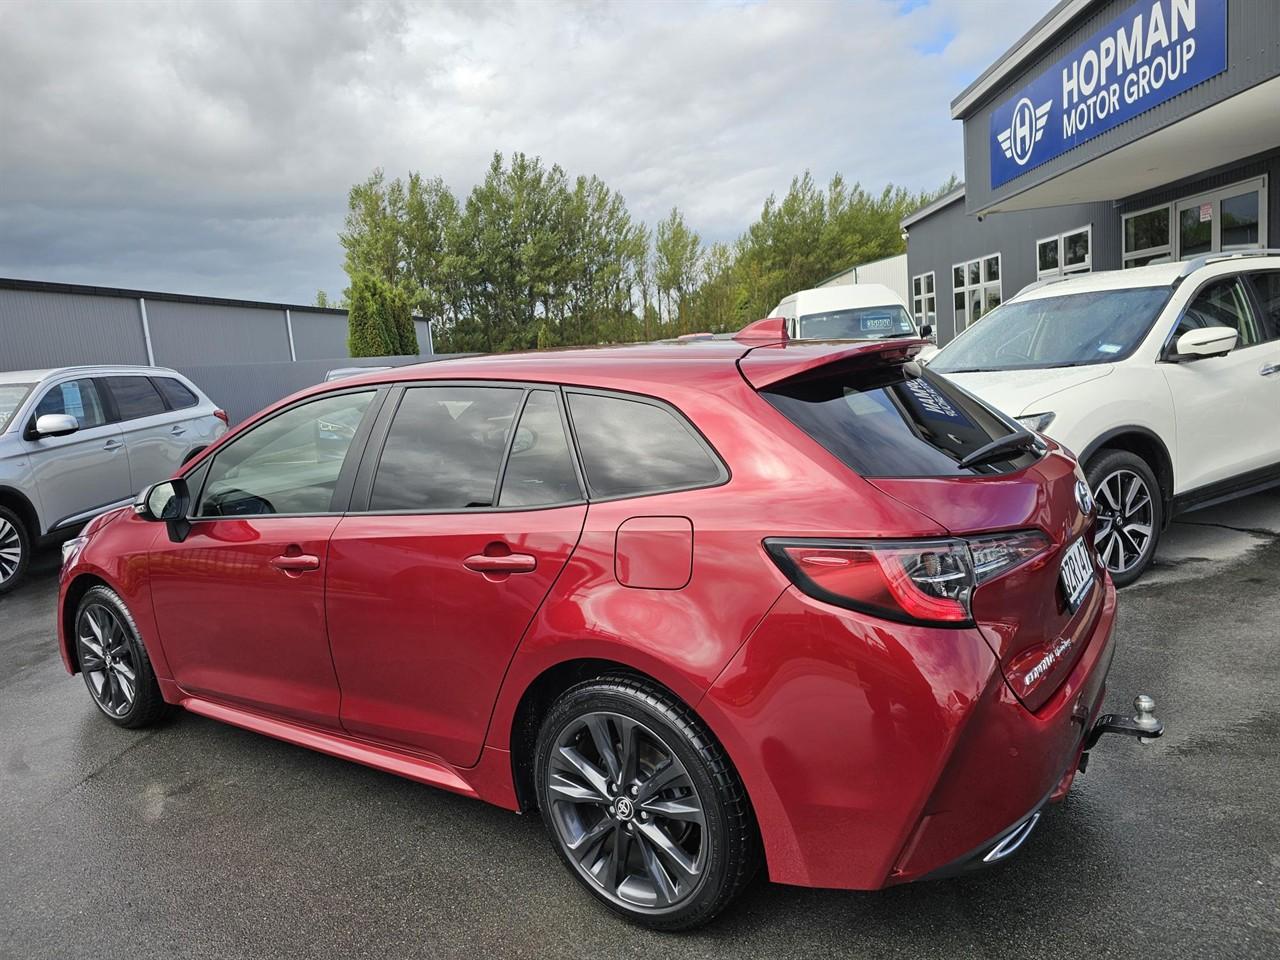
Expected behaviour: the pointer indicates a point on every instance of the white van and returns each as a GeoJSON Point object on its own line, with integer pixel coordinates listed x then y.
{"type": "Point", "coordinates": [855, 311]}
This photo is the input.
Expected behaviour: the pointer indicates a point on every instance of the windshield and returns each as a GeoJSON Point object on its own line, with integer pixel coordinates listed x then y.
{"type": "Point", "coordinates": [857, 323]}
{"type": "Point", "coordinates": [1068, 331]}
{"type": "Point", "coordinates": [11, 397]}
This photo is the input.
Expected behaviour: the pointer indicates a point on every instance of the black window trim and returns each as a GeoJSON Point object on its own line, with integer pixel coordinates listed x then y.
{"type": "Point", "coordinates": [340, 501]}
{"type": "Point", "coordinates": [362, 493]}
{"type": "Point", "coordinates": [1168, 351]}
{"type": "Point", "coordinates": [725, 474]}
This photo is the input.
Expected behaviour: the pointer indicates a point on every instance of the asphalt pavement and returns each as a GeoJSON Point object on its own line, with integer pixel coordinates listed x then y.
{"type": "Point", "coordinates": [200, 840]}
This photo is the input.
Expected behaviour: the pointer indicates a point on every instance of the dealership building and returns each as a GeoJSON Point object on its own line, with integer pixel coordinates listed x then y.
{"type": "Point", "coordinates": [1113, 134]}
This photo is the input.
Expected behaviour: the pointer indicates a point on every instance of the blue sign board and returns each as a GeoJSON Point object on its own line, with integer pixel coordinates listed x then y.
{"type": "Point", "coordinates": [1152, 52]}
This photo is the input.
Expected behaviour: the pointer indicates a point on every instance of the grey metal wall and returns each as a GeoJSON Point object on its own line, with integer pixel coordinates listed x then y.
{"type": "Point", "coordinates": [183, 333]}
{"type": "Point", "coordinates": [319, 335]}
{"type": "Point", "coordinates": [1253, 55]}
{"type": "Point", "coordinates": [242, 389]}
{"type": "Point", "coordinates": [953, 236]}
{"type": "Point", "coordinates": [39, 329]}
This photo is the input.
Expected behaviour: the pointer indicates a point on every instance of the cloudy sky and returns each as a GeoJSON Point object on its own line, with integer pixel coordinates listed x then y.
{"type": "Point", "coordinates": [207, 148]}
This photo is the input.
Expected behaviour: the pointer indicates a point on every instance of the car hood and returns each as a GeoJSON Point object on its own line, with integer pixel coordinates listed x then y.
{"type": "Point", "coordinates": [1017, 392]}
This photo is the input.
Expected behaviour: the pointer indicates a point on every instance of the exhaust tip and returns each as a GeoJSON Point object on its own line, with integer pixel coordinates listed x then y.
{"type": "Point", "coordinates": [1013, 840]}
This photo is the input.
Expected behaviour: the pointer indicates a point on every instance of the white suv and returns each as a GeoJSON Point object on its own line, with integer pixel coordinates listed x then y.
{"type": "Point", "coordinates": [78, 441]}
{"type": "Point", "coordinates": [1164, 380]}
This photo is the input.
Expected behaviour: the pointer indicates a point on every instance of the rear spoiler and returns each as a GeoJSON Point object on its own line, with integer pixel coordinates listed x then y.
{"type": "Point", "coordinates": [766, 365]}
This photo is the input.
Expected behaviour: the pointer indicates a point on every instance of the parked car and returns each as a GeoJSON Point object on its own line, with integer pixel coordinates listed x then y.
{"type": "Point", "coordinates": [80, 440]}
{"type": "Point", "coordinates": [1162, 378]}
{"type": "Point", "coordinates": [854, 311]}
{"type": "Point", "coordinates": [702, 604]}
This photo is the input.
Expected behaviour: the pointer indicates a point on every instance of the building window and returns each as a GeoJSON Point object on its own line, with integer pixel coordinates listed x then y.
{"type": "Point", "coordinates": [1065, 254]}
{"type": "Point", "coordinates": [977, 289]}
{"type": "Point", "coordinates": [1146, 237]}
{"type": "Point", "coordinates": [1230, 218]}
{"type": "Point", "coordinates": [924, 299]}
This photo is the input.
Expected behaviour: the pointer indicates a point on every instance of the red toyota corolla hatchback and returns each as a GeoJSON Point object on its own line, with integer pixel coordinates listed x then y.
{"type": "Point", "coordinates": [705, 605]}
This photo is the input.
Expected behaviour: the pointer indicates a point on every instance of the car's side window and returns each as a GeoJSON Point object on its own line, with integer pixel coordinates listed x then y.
{"type": "Point", "coordinates": [540, 468]}
{"type": "Point", "coordinates": [175, 393]}
{"type": "Point", "coordinates": [135, 397]}
{"type": "Point", "coordinates": [1266, 287]}
{"type": "Point", "coordinates": [289, 464]}
{"type": "Point", "coordinates": [444, 449]}
{"type": "Point", "coordinates": [79, 398]}
{"type": "Point", "coordinates": [632, 447]}
{"type": "Point", "coordinates": [1222, 303]}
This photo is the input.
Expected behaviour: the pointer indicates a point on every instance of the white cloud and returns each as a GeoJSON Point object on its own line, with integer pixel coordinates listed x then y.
{"type": "Point", "coordinates": [207, 148]}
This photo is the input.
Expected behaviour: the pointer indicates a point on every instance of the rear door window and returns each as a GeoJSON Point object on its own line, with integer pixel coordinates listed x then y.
{"type": "Point", "coordinates": [1267, 288]}
{"type": "Point", "coordinates": [897, 421]}
{"type": "Point", "coordinates": [135, 397]}
{"type": "Point", "coordinates": [444, 449]}
{"type": "Point", "coordinates": [540, 468]}
{"type": "Point", "coordinates": [631, 447]}
{"type": "Point", "coordinates": [78, 398]}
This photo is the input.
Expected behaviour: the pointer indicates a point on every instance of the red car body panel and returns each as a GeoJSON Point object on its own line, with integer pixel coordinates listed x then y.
{"type": "Point", "coordinates": [873, 752]}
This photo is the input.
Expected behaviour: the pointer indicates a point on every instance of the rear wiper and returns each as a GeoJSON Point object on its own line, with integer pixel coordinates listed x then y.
{"type": "Point", "coordinates": [1022, 440]}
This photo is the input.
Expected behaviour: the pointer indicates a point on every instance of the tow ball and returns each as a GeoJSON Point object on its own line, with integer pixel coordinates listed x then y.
{"type": "Point", "coordinates": [1143, 725]}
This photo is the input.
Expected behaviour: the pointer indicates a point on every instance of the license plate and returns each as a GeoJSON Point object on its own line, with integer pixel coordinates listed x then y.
{"type": "Point", "coordinates": [1077, 574]}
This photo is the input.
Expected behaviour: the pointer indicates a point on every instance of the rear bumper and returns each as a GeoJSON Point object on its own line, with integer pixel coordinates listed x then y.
{"type": "Point", "coordinates": [877, 754]}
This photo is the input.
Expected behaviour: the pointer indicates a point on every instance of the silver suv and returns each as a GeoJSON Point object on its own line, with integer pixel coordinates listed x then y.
{"type": "Point", "coordinates": [78, 441]}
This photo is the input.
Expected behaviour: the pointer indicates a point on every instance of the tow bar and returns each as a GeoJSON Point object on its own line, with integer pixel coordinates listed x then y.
{"type": "Point", "coordinates": [1143, 725]}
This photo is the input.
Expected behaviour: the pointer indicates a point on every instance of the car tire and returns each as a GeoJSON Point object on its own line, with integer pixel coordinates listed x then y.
{"type": "Point", "coordinates": [15, 550]}
{"type": "Point", "coordinates": [114, 661]}
{"type": "Point", "coordinates": [660, 829]}
{"type": "Point", "coordinates": [1130, 509]}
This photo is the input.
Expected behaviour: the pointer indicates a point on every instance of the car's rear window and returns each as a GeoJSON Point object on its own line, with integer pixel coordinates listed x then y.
{"type": "Point", "coordinates": [175, 393]}
{"type": "Point", "coordinates": [897, 421]}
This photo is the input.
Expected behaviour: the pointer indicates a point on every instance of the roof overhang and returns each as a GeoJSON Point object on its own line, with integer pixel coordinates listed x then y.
{"type": "Point", "coordinates": [927, 211]}
{"type": "Point", "coordinates": [1223, 133]}
{"type": "Point", "coordinates": [1017, 55]}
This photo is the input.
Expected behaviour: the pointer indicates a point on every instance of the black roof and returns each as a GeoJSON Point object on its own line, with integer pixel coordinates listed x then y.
{"type": "Point", "coordinates": [45, 286]}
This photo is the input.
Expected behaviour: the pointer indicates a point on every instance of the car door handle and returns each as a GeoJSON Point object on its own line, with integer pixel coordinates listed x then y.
{"type": "Point", "coordinates": [178, 430]}
{"type": "Point", "coordinates": [1267, 369]}
{"type": "Point", "coordinates": [113, 445]}
{"type": "Point", "coordinates": [296, 563]}
{"type": "Point", "coordinates": [511, 563]}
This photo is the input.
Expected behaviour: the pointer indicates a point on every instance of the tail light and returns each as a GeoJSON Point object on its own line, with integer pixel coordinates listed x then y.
{"type": "Point", "coordinates": [222, 415]}
{"type": "Point", "coordinates": [912, 581]}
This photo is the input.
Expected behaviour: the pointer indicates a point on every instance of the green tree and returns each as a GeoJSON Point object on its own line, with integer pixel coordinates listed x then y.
{"type": "Point", "coordinates": [677, 255]}
{"type": "Point", "coordinates": [322, 299]}
{"type": "Point", "coordinates": [379, 320]}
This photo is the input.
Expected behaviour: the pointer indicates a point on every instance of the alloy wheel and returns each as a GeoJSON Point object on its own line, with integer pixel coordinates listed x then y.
{"type": "Point", "coordinates": [10, 550]}
{"type": "Point", "coordinates": [626, 812]}
{"type": "Point", "coordinates": [107, 659]}
{"type": "Point", "coordinates": [1126, 520]}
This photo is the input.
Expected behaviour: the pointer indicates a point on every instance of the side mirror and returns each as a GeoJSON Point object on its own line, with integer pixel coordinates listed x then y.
{"type": "Point", "coordinates": [166, 502]}
{"type": "Point", "coordinates": [927, 331]}
{"type": "Point", "coordinates": [1206, 342]}
{"type": "Point", "coordinates": [56, 425]}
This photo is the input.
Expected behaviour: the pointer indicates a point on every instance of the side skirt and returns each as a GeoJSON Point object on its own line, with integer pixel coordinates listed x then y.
{"type": "Point", "coordinates": [435, 773]}
{"type": "Point", "coordinates": [1213, 494]}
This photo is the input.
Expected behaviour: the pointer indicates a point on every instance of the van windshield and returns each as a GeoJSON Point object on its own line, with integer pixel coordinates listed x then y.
{"type": "Point", "coordinates": [11, 397]}
{"type": "Point", "coordinates": [1073, 330]}
{"type": "Point", "coordinates": [857, 323]}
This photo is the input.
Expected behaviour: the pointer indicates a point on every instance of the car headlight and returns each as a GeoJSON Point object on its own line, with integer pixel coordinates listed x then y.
{"type": "Point", "coordinates": [71, 550]}
{"type": "Point", "coordinates": [1039, 422]}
